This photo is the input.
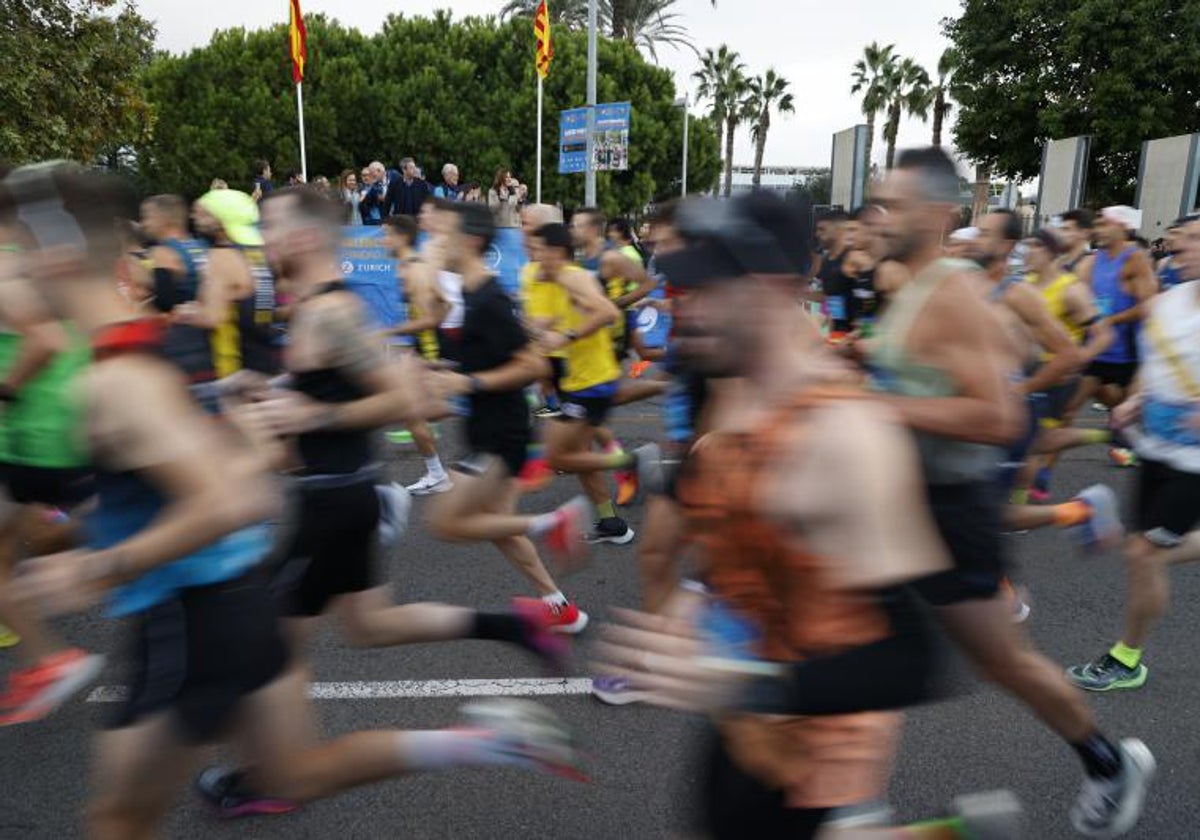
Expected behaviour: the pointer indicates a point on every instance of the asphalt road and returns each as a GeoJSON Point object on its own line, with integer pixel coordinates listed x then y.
{"type": "Point", "coordinates": [643, 779]}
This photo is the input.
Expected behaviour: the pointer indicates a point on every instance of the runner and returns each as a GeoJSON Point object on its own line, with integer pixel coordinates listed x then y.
{"type": "Point", "coordinates": [426, 309]}
{"type": "Point", "coordinates": [621, 276]}
{"type": "Point", "coordinates": [497, 363]}
{"type": "Point", "coordinates": [1075, 230]}
{"type": "Point", "coordinates": [840, 641]}
{"type": "Point", "coordinates": [1122, 279]}
{"type": "Point", "coordinates": [537, 297]}
{"type": "Point", "coordinates": [42, 463]}
{"type": "Point", "coordinates": [591, 381]}
{"type": "Point", "coordinates": [943, 362]}
{"type": "Point", "coordinates": [836, 286]}
{"type": "Point", "coordinates": [177, 536]}
{"type": "Point", "coordinates": [1162, 416]}
{"type": "Point", "coordinates": [1168, 271]}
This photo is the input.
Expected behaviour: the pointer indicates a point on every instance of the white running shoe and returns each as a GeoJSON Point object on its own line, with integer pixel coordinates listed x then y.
{"type": "Point", "coordinates": [529, 732]}
{"type": "Point", "coordinates": [1111, 807]}
{"type": "Point", "coordinates": [430, 484]}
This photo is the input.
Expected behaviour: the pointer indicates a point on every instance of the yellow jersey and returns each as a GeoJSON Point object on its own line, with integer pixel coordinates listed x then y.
{"type": "Point", "coordinates": [542, 301]}
{"type": "Point", "coordinates": [590, 360]}
{"type": "Point", "coordinates": [1055, 296]}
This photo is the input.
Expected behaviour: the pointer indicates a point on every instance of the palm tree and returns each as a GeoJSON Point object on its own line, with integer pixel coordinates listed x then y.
{"type": "Point", "coordinates": [869, 73]}
{"type": "Point", "coordinates": [717, 69]}
{"type": "Point", "coordinates": [767, 92]}
{"type": "Point", "coordinates": [647, 24]}
{"type": "Point", "coordinates": [943, 91]}
{"type": "Point", "coordinates": [572, 14]}
{"type": "Point", "coordinates": [906, 88]}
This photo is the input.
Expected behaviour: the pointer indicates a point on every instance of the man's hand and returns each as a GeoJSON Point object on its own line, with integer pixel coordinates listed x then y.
{"type": "Point", "coordinates": [289, 413]}
{"type": "Point", "coordinates": [58, 584]}
{"type": "Point", "coordinates": [552, 341]}
{"type": "Point", "coordinates": [1128, 413]}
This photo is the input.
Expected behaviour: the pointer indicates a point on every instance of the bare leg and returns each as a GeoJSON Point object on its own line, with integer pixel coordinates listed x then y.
{"type": "Point", "coordinates": [1028, 517]}
{"type": "Point", "coordinates": [985, 632]}
{"type": "Point", "coordinates": [662, 533]}
{"type": "Point", "coordinates": [636, 391]}
{"type": "Point", "coordinates": [567, 449]}
{"type": "Point", "coordinates": [1149, 589]}
{"type": "Point", "coordinates": [370, 620]}
{"type": "Point", "coordinates": [423, 438]}
{"type": "Point", "coordinates": [520, 550]}
{"type": "Point", "coordinates": [37, 641]}
{"type": "Point", "coordinates": [466, 513]}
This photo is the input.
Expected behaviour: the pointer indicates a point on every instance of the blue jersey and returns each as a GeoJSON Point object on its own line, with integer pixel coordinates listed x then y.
{"type": "Point", "coordinates": [1113, 299]}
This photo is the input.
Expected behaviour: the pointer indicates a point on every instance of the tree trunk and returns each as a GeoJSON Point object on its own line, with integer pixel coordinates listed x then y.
{"type": "Point", "coordinates": [866, 176]}
{"type": "Point", "coordinates": [760, 145]}
{"type": "Point", "coordinates": [939, 114]}
{"type": "Point", "coordinates": [983, 191]}
{"type": "Point", "coordinates": [891, 132]}
{"type": "Point", "coordinates": [620, 13]}
{"type": "Point", "coordinates": [730, 128]}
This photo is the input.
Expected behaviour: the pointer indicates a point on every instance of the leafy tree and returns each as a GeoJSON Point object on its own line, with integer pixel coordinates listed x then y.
{"type": "Point", "coordinates": [433, 88]}
{"type": "Point", "coordinates": [816, 188]}
{"type": "Point", "coordinates": [868, 75]}
{"type": "Point", "coordinates": [906, 89]}
{"type": "Point", "coordinates": [1122, 71]}
{"type": "Point", "coordinates": [69, 78]}
{"type": "Point", "coordinates": [768, 92]}
{"type": "Point", "coordinates": [943, 91]}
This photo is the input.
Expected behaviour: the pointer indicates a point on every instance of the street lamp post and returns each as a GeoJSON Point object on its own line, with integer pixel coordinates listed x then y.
{"type": "Point", "coordinates": [682, 102]}
{"type": "Point", "coordinates": [589, 182]}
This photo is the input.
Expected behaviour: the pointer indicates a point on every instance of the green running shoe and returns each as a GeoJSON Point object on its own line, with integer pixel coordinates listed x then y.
{"type": "Point", "coordinates": [1106, 674]}
{"type": "Point", "coordinates": [400, 437]}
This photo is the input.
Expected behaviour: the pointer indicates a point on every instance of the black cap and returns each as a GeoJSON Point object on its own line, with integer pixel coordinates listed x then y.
{"type": "Point", "coordinates": [758, 233]}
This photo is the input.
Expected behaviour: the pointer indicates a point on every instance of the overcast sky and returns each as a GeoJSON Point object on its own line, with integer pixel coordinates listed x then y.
{"type": "Point", "coordinates": [813, 44]}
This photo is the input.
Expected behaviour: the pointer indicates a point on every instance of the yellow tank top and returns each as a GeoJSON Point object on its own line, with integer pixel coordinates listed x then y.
{"type": "Point", "coordinates": [590, 360]}
{"type": "Point", "coordinates": [426, 340]}
{"type": "Point", "coordinates": [542, 300]}
{"type": "Point", "coordinates": [1055, 296]}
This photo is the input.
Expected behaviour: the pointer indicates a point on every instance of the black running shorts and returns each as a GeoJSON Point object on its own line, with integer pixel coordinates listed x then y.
{"type": "Point", "coordinates": [197, 655]}
{"type": "Point", "coordinates": [1112, 373]}
{"type": "Point", "coordinates": [592, 410]}
{"type": "Point", "coordinates": [332, 548]}
{"type": "Point", "coordinates": [59, 487]}
{"type": "Point", "coordinates": [968, 518]}
{"type": "Point", "coordinates": [1167, 502]}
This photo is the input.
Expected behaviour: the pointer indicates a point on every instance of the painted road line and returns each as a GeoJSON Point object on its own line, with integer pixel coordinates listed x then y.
{"type": "Point", "coordinates": [404, 689]}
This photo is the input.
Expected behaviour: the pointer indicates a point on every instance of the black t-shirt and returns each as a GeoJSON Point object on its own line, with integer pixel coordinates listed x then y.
{"type": "Point", "coordinates": [838, 290]}
{"type": "Point", "coordinates": [491, 336]}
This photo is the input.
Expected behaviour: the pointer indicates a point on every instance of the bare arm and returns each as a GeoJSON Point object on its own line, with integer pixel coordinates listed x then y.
{"type": "Point", "coordinates": [1050, 336]}
{"type": "Point", "coordinates": [1081, 307]}
{"type": "Point", "coordinates": [598, 311]}
{"type": "Point", "coordinates": [227, 272]}
{"type": "Point", "coordinates": [425, 296]}
{"type": "Point", "coordinates": [526, 367]}
{"type": "Point", "coordinates": [614, 264]}
{"type": "Point", "coordinates": [1139, 273]}
{"type": "Point", "coordinates": [41, 337]}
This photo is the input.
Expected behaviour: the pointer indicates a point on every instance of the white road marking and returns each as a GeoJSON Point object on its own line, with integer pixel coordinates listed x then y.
{"type": "Point", "coordinates": [403, 689]}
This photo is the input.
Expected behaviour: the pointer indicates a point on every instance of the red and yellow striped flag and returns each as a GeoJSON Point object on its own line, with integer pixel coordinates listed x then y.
{"type": "Point", "coordinates": [297, 41]}
{"type": "Point", "coordinates": [541, 31]}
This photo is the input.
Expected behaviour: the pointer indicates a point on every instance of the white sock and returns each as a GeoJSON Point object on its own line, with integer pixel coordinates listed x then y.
{"type": "Point", "coordinates": [555, 599]}
{"type": "Point", "coordinates": [445, 749]}
{"type": "Point", "coordinates": [433, 466]}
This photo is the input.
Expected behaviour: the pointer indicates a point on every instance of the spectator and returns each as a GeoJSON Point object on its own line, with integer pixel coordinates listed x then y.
{"type": "Point", "coordinates": [295, 179]}
{"type": "Point", "coordinates": [449, 189]}
{"type": "Point", "coordinates": [349, 196]}
{"type": "Point", "coordinates": [218, 184]}
{"type": "Point", "coordinates": [262, 180]}
{"type": "Point", "coordinates": [505, 199]}
{"type": "Point", "coordinates": [472, 193]}
{"type": "Point", "coordinates": [373, 206]}
{"type": "Point", "coordinates": [406, 194]}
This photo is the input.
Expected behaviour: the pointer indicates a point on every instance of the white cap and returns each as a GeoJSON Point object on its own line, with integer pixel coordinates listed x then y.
{"type": "Point", "coordinates": [1126, 217]}
{"type": "Point", "coordinates": [967, 234]}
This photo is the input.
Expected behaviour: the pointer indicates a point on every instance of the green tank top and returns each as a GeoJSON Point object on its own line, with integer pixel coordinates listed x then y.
{"type": "Point", "coordinates": [944, 460]}
{"type": "Point", "coordinates": [43, 426]}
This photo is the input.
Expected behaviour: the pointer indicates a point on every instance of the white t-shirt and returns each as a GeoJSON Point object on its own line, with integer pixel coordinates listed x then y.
{"type": "Point", "coordinates": [1169, 431]}
{"type": "Point", "coordinates": [451, 286]}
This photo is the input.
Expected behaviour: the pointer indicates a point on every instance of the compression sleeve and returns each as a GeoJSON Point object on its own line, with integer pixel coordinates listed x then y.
{"type": "Point", "coordinates": [164, 289]}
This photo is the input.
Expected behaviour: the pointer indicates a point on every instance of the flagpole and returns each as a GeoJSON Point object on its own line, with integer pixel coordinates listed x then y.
{"type": "Point", "coordinates": [300, 116]}
{"type": "Point", "coordinates": [538, 191]}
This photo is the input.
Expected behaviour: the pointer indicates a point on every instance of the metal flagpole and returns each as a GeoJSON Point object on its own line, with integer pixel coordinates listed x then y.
{"type": "Point", "coordinates": [589, 189]}
{"type": "Point", "coordinates": [538, 191]}
{"type": "Point", "coordinates": [300, 113]}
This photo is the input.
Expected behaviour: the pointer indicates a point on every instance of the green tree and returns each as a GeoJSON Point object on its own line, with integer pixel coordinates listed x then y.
{"type": "Point", "coordinates": [1122, 71]}
{"type": "Point", "coordinates": [69, 79]}
{"type": "Point", "coordinates": [906, 89]}
{"type": "Point", "coordinates": [768, 92]}
{"type": "Point", "coordinates": [868, 75]}
{"type": "Point", "coordinates": [816, 188]}
{"type": "Point", "coordinates": [433, 88]}
{"type": "Point", "coordinates": [943, 92]}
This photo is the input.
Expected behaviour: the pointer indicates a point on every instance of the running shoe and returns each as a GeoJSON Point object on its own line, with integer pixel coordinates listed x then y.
{"type": "Point", "coordinates": [35, 692]}
{"type": "Point", "coordinates": [535, 475]}
{"type": "Point", "coordinates": [1111, 807]}
{"type": "Point", "coordinates": [613, 530]}
{"type": "Point", "coordinates": [395, 503]}
{"type": "Point", "coordinates": [8, 638]}
{"type": "Point", "coordinates": [400, 437]}
{"type": "Point", "coordinates": [616, 691]}
{"type": "Point", "coordinates": [638, 368]}
{"type": "Point", "coordinates": [540, 634]}
{"type": "Point", "coordinates": [565, 541]}
{"type": "Point", "coordinates": [1107, 673]}
{"type": "Point", "coordinates": [547, 413]}
{"type": "Point", "coordinates": [627, 486]}
{"type": "Point", "coordinates": [1103, 531]}
{"type": "Point", "coordinates": [1122, 457]}
{"type": "Point", "coordinates": [558, 618]}
{"type": "Point", "coordinates": [528, 732]}
{"type": "Point", "coordinates": [430, 484]}
{"type": "Point", "coordinates": [230, 797]}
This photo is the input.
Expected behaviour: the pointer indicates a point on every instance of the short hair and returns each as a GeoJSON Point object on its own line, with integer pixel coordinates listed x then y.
{"type": "Point", "coordinates": [405, 161]}
{"type": "Point", "coordinates": [171, 206]}
{"type": "Point", "coordinates": [664, 214]}
{"type": "Point", "coordinates": [1013, 230]}
{"type": "Point", "coordinates": [622, 227]}
{"type": "Point", "coordinates": [313, 206]}
{"type": "Point", "coordinates": [542, 214]}
{"type": "Point", "coordinates": [595, 216]}
{"type": "Point", "coordinates": [936, 171]}
{"type": "Point", "coordinates": [403, 226]}
{"type": "Point", "coordinates": [836, 216]}
{"type": "Point", "coordinates": [261, 166]}
{"type": "Point", "coordinates": [1081, 216]}
{"type": "Point", "coordinates": [447, 167]}
{"type": "Point", "coordinates": [475, 220]}
{"type": "Point", "coordinates": [556, 236]}
{"type": "Point", "coordinates": [376, 166]}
